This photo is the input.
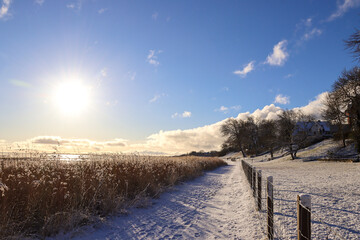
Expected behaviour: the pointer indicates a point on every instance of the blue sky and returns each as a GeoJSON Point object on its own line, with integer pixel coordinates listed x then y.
{"type": "Point", "coordinates": [153, 70]}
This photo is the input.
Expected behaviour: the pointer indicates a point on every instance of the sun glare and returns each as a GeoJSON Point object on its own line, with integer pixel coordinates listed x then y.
{"type": "Point", "coordinates": [71, 97]}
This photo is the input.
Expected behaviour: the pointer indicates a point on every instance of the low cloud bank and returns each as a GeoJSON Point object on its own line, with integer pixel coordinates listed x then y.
{"type": "Point", "coordinates": [56, 143]}
{"type": "Point", "coordinates": [205, 138]}
{"type": "Point", "coordinates": [208, 137]}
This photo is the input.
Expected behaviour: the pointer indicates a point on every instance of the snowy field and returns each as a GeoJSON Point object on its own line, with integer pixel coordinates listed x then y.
{"type": "Point", "coordinates": [218, 205]}
{"type": "Point", "coordinates": [334, 188]}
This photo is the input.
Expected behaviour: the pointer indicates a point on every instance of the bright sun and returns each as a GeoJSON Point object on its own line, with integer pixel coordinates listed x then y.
{"type": "Point", "coordinates": [71, 97]}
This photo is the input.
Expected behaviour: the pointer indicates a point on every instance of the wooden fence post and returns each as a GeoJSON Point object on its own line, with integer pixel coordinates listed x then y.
{"type": "Point", "coordinates": [254, 181]}
{"type": "Point", "coordinates": [259, 190]}
{"type": "Point", "coordinates": [304, 217]}
{"type": "Point", "coordinates": [270, 208]}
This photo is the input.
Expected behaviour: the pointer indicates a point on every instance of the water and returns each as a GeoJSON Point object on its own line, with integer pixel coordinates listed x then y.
{"type": "Point", "coordinates": [43, 156]}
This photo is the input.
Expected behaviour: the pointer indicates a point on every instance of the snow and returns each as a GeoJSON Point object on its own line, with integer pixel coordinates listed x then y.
{"type": "Point", "coordinates": [335, 197]}
{"type": "Point", "coordinates": [218, 205]}
{"type": "Point", "coordinates": [334, 188]}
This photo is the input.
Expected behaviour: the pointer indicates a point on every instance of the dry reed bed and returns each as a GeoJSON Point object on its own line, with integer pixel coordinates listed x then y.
{"type": "Point", "coordinates": [40, 198]}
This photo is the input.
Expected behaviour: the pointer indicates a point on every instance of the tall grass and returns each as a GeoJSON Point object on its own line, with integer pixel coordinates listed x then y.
{"type": "Point", "coordinates": [40, 198]}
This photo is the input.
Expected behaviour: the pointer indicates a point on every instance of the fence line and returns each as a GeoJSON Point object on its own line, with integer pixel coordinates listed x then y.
{"type": "Point", "coordinates": [304, 213]}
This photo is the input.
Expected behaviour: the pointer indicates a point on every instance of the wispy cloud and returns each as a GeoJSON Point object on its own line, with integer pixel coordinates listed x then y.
{"type": "Point", "coordinates": [4, 10]}
{"type": "Point", "coordinates": [185, 114]}
{"type": "Point", "coordinates": [76, 5]}
{"type": "Point", "coordinates": [304, 23]}
{"type": "Point", "coordinates": [247, 68]}
{"type": "Point", "coordinates": [152, 57]}
{"type": "Point", "coordinates": [40, 2]}
{"type": "Point", "coordinates": [48, 142]}
{"type": "Point", "coordinates": [312, 33]}
{"type": "Point", "coordinates": [306, 31]}
{"type": "Point", "coordinates": [281, 99]}
{"type": "Point", "coordinates": [157, 97]}
{"type": "Point", "coordinates": [224, 109]}
{"type": "Point", "coordinates": [155, 15]}
{"type": "Point", "coordinates": [343, 8]}
{"type": "Point", "coordinates": [279, 54]}
{"type": "Point", "coordinates": [290, 75]}
{"type": "Point", "coordinates": [102, 10]}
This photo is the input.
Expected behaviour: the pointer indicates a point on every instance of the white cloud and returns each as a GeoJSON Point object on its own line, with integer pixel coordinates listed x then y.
{"type": "Point", "coordinates": [185, 114]}
{"type": "Point", "coordinates": [40, 2]}
{"type": "Point", "coordinates": [67, 144]}
{"type": "Point", "coordinates": [155, 15]}
{"type": "Point", "coordinates": [156, 97]}
{"type": "Point", "coordinates": [315, 107]}
{"type": "Point", "coordinates": [343, 8]}
{"type": "Point", "coordinates": [281, 99]}
{"type": "Point", "coordinates": [227, 109]}
{"type": "Point", "coordinates": [180, 141]}
{"type": "Point", "coordinates": [279, 54]}
{"type": "Point", "coordinates": [152, 57]}
{"type": "Point", "coordinates": [222, 109]}
{"type": "Point", "coordinates": [102, 10]}
{"type": "Point", "coordinates": [313, 33]}
{"type": "Point", "coordinates": [205, 138]}
{"type": "Point", "coordinates": [248, 68]}
{"type": "Point", "coordinates": [4, 10]}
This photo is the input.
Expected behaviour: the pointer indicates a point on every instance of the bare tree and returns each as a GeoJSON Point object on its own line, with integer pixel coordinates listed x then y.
{"type": "Point", "coordinates": [251, 135]}
{"type": "Point", "coordinates": [353, 43]}
{"type": "Point", "coordinates": [235, 132]}
{"type": "Point", "coordinates": [335, 115]}
{"type": "Point", "coordinates": [268, 136]}
{"type": "Point", "coordinates": [346, 93]}
{"type": "Point", "coordinates": [293, 130]}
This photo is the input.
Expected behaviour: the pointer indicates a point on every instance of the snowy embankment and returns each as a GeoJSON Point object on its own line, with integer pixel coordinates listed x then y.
{"type": "Point", "coordinates": [334, 188]}
{"type": "Point", "coordinates": [218, 205]}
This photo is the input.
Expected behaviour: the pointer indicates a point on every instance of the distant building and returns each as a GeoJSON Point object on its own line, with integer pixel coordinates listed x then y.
{"type": "Point", "coordinates": [316, 129]}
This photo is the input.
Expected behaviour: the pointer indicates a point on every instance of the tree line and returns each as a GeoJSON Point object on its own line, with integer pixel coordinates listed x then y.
{"type": "Point", "coordinates": [291, 129]}
{"type": "Point", "coordinates": [253, 137]}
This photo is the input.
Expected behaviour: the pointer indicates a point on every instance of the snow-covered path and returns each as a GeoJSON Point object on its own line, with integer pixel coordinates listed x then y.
{"type": "Point", "coordinates": [217, 205]}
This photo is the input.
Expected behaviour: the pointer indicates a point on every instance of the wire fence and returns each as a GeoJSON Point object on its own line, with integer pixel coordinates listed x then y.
{"type": "Point", "coordinates": [277, 216]}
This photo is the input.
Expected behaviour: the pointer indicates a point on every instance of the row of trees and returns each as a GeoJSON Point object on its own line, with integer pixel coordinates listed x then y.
{"type": "Point", "coordinates": [250, 136]}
